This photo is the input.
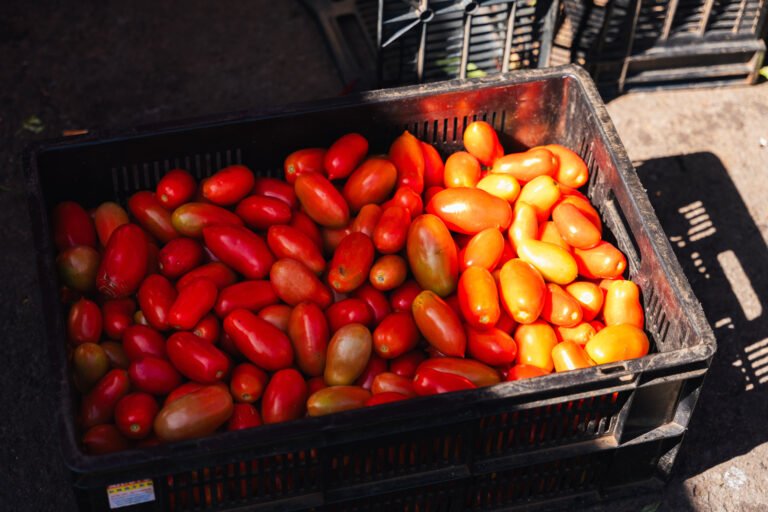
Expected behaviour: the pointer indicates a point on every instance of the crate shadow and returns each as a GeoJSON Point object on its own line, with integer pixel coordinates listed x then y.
{"type": "Point", "coordinates": [722, 253]}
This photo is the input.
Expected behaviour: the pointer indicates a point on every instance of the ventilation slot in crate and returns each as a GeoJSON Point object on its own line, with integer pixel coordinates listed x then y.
{"type": "Point", "coordinates": [431, 498]}
{"type": "Point", "coordinates": [449, 132]}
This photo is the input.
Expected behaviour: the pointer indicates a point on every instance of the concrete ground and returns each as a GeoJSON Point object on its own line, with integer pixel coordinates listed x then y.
{"type": "Point", "coordinates": [116, 64]}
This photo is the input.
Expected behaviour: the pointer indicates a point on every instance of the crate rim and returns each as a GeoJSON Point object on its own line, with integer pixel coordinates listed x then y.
{"type": "Point", "coordinates": [599, 376]}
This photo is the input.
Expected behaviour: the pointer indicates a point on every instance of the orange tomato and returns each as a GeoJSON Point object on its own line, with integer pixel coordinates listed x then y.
{"type": "Point", "coordinates": [525, 371]}
{"type": "Point", "coordinates": [622, 305]}
{"type": "Point", "coordinates": [603, 261]}
{"type": "Point", "coordinates": [470, 210]}
{"type": "Point", "coordinates": [481, 141]}
{"type": "Point", "coordinates": [523, 291]}
{"type": "Point", "coordinates": [528, 165]}
{"type": "Point", "coordinates": [589, 296]}
{"type": "Point", "coordinates": [321, 201]}
{"type": "Point", "coordinates": [568, 356]}
{"type": "Point", "coordinates": [571, 169]}
{"type": "Point", "coordinates": [524, 225]}
{"type": "Point", "coordinates": [388, 382]}
{"type": "Point", "coordinates": [574, 227]}
{"type": "Point", "coordinates": [372, 182]}
{"type": "Point", "coordinates": [584, 206]}
{"type": "Point", "coordinates": [432, 255]}
{"type": "Point", "coordinates": [434, 168]}
{"type": "Point", "coordinates": [391, 231]}
{"type": "Point", "coordinates": [553, 262]}
{"type": "Point", "coordinates": [439, 324]}
{"type": "Point", "coordinates": [478, 298]}
{"type": "Point", "coordinates": [483, 250]}
{"type": "Point", "coordinates": [388, 272]}
{"type": "Point", "coordinates": [500, 185]}
{"type": "Point", "coordinates": [406, 153]}
{"type": "Point", "coordinates": [461, 170]}
{"type": "Point", "coordinates": [548, 233]}
{"type": "Point", "coordinates": [542, 193]}
{"type": "Point", "coordinates": [560, 308]}
{"type": "Point", "coordinates": [617, 343]}
{"type": "Point", "coordinates": [579, 334]}
{"type": "Point", "coordinates": [535, 342]}
{"type": "Point", "coordinates": [366, 219]}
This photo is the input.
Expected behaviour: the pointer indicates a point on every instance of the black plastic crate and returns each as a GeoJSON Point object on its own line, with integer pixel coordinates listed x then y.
{"type": "Point", "coordinates": [446, 452]}
{"type": "Point", "coordinates": [383, 43]}
{"type": "Point", "coordinates": [653, 44]}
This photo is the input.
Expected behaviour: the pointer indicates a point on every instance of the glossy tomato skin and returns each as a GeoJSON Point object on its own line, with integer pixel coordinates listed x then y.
{"type": "Point", "coordinates": [243, 250]}
{"type": "Point", "coordinates": [479, 374]}
{"type": "Point", "coordinates": [348, 311]}
{"type": "Point", "coordinates": [523, 291]}
{"type": "Point", "coordinates": [345, 155]}
{"type": "Point", "coordinates": [152, 215]}
{"type": "Point", "coordinates": [351, 263]}
{"type": "Point", "coordinates": [385, 398]}
{"type": "Point", "coordinates": [277, 315]}
{"type": "Point", "coordinates": [193, 302]}
{"type": "Point", "coordinates": [617, 343]}
{"type": "Point", "coordinates": [124, 263]}
{"type": "Point", "coordinates": [439, 324]}
{"type": "Point", "coordinates": [248, 383]}
{"type": "Point", "coordinates": [371, 183]}
{"type": "Point", "coordinates": [375, 300]}
{"type": "Point", "coordinates": [572, 171]}
{"type": "Point", "coordinates": [402, 297]}
{"type": "Point", "coordinates": [376, 366]}
{"type": "Point", "coordinates": [243, 416]}
{"type": "Point", "coordinates": [306, 225]}
{"type": "Point", "coordinates": [525, 225]}
{"type": "Point", "coordinates": [251, 295]}
{"type": "Point", "coordinates": [406, 364]}
{"type": "Point", "coordinates": [483, 250]}
{"type": "Point", "coordinates": [406, 153]}
{"type": "Point", "coordinates": [156, 296]}
{"type": "Point", "coordinates": [229, 185]}
{"type": "Point", "coordinates": [481, 141]}
{"type": "Point", "coordinates": [180, 256]}
{"type": "Point", "coordinates": [259, 341]}
{"type": "Point", "coordinates": [525, 371]}
{"type": "Point", "coordinates": [141, 340]}
{"type": "Point", "coordinates": [503, 186]}
{"type": "Point", "coordinates": [260, 212]}
{"type": "Point", "coordinates": [208, 329]}
{"type": "Point", "coordinates": [294, 282]}
{"type": "Point", "coordinates": [285, 397]}
{"type": "Point", "coordinates": [461, 170]}
{"type": "Point", "coordinates": [321, 201]}
{"type": "Point", "coordinates": [407, 198]}
{"type": "Point", "coordinates": [175, 188]}
{"type": "Point", "coordinates": [197, 359]}
{"type": "Point", "coordinates": [84, 322]}
{"type": "Point", "coordinates": [189, 219]}
{"type": "Point", "coordinates": [289, 242]}
{"type": "Point", "coordinates": [622, 305]}
{"type": "Point", "coordinates": [432, 382]}
{"type": "Point", "coordinates": [72, 226]}
{"type": "Point", "coordinates": [194, 415]}
{"type": "Point", "coordinates": [134, 415]}
{"type": "Point", "coordinates": [104, 439]}
{"type": "Point", "coordinates": [303, 161]}
{"type": "Point", "coordinates": [527, 165]}
{"type": "Point", "coordinates": [603, 261]}
{"type": "Point", "coordinates": [493, 347]}
{"type": "Point", "coordinates": [333, 237]}
{"type": "Point", "coordinates": [470, 210]}
{"type": "Point", "coordinates": [107, 218]}
{"type": "Point", "coordinates": [337, 399]}
{"type": "Point", "coordinates": [98, 405]}
{"type": "Point", "coordinates": [542, 193]}
{"type": "Point", "coordinates": [432, 255]}
{"type": "Point", "coordinates": [348, 354]}
{"type": "Point", "coordinates": [388, 382]}
{"type": "Point", "coordinates": [395, 335]}
{"type": "Point", "coordinates": [479, 298]}
{"type": "Point", "coordinates": [434, 168]}
{"type": "Point", "coordinates": [574, 227]}
{"type": "Point", "coordinates": [589, 296]}
{"type": "Point", "coordinates": [367, 219]}
{"type": "Point", "coordinates": [221, 275]}
{"type": "Point", "coordinates": [579, 334]}
{"type": "Point", "coordinates": [77, 267]}
{"type": "Point", "coordinates": [309, 335]}
{"type": "Point", "coordinates": [153, 375]}
{"type": "Point", "coordinates": [549, 233]}
{"type": "Point", "coordinates": [277, 189]}
{"type": "Point", "coordinates": [388, 272]}
{"type": "Point", "coordinates": [560, 308]}
{"type": "Point", "coordinates": [391, 231]}
{"type": "Point", "coordinates": [568, 356]}
{"type": "Point", "coordinates": [89, 364]}
{"type": "Point", "coordinates": [535, 342]}
{"type": "Point", "coordinates": [184, 389]}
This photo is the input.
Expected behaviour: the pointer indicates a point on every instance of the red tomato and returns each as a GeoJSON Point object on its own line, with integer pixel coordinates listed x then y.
{"type": "Point", "coordinates": [483, 250]}
{"type": "Point", "coordinates": [77, 267]}
{"type": "Point", "coordinates": [289, 242]}
{"type": "Point", "coordinates": [433, 382]}
{"type": "Point", "coordinates": [179, 256]}
{"type": "Point", "coordinates": [385, 398]}
{"type": "Point", "coordinates": [348, 311]}
{"type": "Point", "coordinates": [260, 212]}
{"type": "Point", "coordinates": [229, 185]}
{"type": "Point", "coordinates": [72, 226]}
{"type": "Point", "coordinates": [388, 272]}
{"type": "Point", "coordinates": [406, 364]}
{"type": "Point", "coordinates": [315, 384]}
{"type": "Point", "coordinates": [124, 263]}
{"type": "Point", "coordinates": [153, 251]}
{"type": "Point", "coordinates": [258, 340]}
{"type": "Point", "coordinates": [278, 315]}
{"type": "Point", "coordinates": [525, 371]}
{"type": "Point", "coordinates": [337, 399]}
{"type": "Point", "coordinates": [321, 201]}
{"type": "Point", "coordinates": [140, 341]}
{"type": "Point", "coordinates": [395, 335]}
{"type": "Point", "coordinates": [479, 374]}
{"type": "Point", "coordinates": [402, 297]}
{"type": "Point", "coordinates": [388, 382]}
{"type": "Point", "coordinates": [408, 199]}
{"type": "Point", "coordinates": [208, 329]}
{"type": "Point", "coordinates": [197, 359]}
{"type": "Point", "coordinates": [333, 237]}
{"type": "Point", "coordinates": [439, 324]}
{"type": "Point", "coordinates": [189, 219]}
{"type": "Point", "coordinates": [351, 263]}
{"type": "Point", "coordinates": [461, 170]}
{"type": "Point", "coordinates": [156, 296]}
{"type": "Point", "coordinates": [303, 161]}
{"type": "Point", "coordinates": [134, 415]}
{"type": "Point", "coordinates": [285, 397]}
{"type": "Point", "coordinates": [176, 188]}
{"type": "Point", "coordinates": [371, 183]}
{"type": "Point", "coordinates": [306, 225]}
{"type": "Point", "coordinates": [366, 219]}
{"type": "Point", "coordinates": [492, 347]}
{"type": "Point", "coordinates": [153, 375]}
{"type": "Point", "coordinates": [107, 218]}
{"type": "Point", "coordinates": [481, 141]}
{"type": "Point", "coordinates": [433, 166]}
{"type": "Point", "coordinates": [152, 215]}
{"type": "Point", "coordinates": [193, 302]}
{"type": "Point", "coordinates": [99, 404]}
{"type": "Point", "coordinates": [277, 189]}
{"type": "Point", "coordinates": [377, 302]}
{"type": "Point", "coordinates": [117, 316]}
{"type": "Point", "coordinates": [479, 298]}
{"type": "Point", "coordinates": [248, 383]}
{"type": "Point", "coordinates": [84, 322]}
{"type": "Point", "coordinates": [195, 414]}
{"type": "Point", "coordinates": [391, 231]}
{"type": "Point", "coordinates": [241, 249]}
{"type": "Point", "coordinates": [431, 192]}
{"type": "Point", "coordinates": [183, 390]}
{"type": "Point", "coordinates": [470, 210]}
{"type": "Point", "coordinates": [432, 255]}
{"type": "Point", "coordinates": [294, 282]}
{"type": "Point", "coordinates": [406, 153]}
{"type": "Point", "coordinates": [220, 274]}
{"type": "Point", "coordinates": [308, 331]}
{"type": "Point", "coordinates": [375, 367]}
{"type": "Point", "coordinates": [243, 416]}
{"type": "Point", "coordinates": [345, 155]}
{"type": "Point", "coordinates": [250, 295]}
{"type": "Point", "coordinates": [103, 439]}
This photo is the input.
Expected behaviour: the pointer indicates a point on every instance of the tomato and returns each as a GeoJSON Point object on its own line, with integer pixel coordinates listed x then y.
{"type": "Point", "coordinates": [351, 263]}
{"type": "Point", "coordinates": [476, 372]}
{"type": "Point", "coordinates": [528, 165]}
{"type": "Point", "coordinates": [321, 201]}
{"type": "Point", "coordinates": [479, 298]}
{"type": "Point", "coordinates": [295, 283]}
{"type": "Point", "coordinates": [375, 300]}
{"type": "Point", "coordinates": [525, 371]}
{"type": "Point", "coordinates": [461, 170]}
{"type": "Point", "coordinates": [124, 262]}
{"type": "Point", "coordinates": [115, 354]}
{"type": "Point", "coordinates": [276, 189]}
{"type": "Point", "coordinates": [345, 155]}
{"type": "Point", "coordinates": [506, 323]}
{"type": "Point", "coordinates": [579, 334]}
{"type": "Point", "coordinates": [406, 364]}
{"type": "Point", "coordinates": [554, 263]}
{"type": "Point", "coordinates": [243, 416]}
{"type": "Point", "coordinates": [523, 291]}
{"type": "Point", "coordinates": [229, 185]}
{"type": "Point", "coordinates": [535, 342]}
{"type": "Point", "coordinates": [84, 322]}
{"type": "Point", "coordinates": [348, 311]}
{"type": "Point", "coordinates": [388, 272]}
{"type": "Point", "coordinates": [434, 169]}
{"type": "Point", "coordinates": [197, 414]}
{"type": "Point", "coordinates": [77, 267]}
{"type": "Point", "coordinates": [308, 332]}
{"type": "Point", "coordinates": [402, 297]}
{"type": "Point", "coordinates": [376, 366]}
{"type": "Point", "coordinates": [483, 250]}
{"type": "Point", "coordinates": [260, 212]}
{"type": "Point", "coordinates": [285, 397]}
{"type": "Point", "coordinates": [89, 364]}
{"type": "Point", "coordinates": [134, 415]}
{"type": "Point", "coordinates": [104, 439]}
{"type": "Point", "coordinates": [333, 237]}
{"type": "Point", "coordinates": [568, 355]}
{"type": "Point", "coordinates": [152, 215]}
{"type": "Point", "coordinates": [306, 225]}
{"type": "Point", "coordinates": [303, 161]}
{"type": "Point", "coordinates": [493, 347]}
{"type": "Point", "coordinates": [542, 193]}
{"type": "Point", "coordinates": [190, 218]}
{"type": "Point", "coordinates": [589, 297]}
{"type": "Point", "coordinates": [289, 242]}
{"type": "Point", "coordinates": [597, 325]}
{"type": "Point", "coordinates": [406, 153]}
{"type": "Point", "coordinates": [221, 275]}
{"type": "Point", "coordinates": [250, 295]}
{"type": "Point", "coordinates": [108, 217]}
{"type": "Point", "coordinates": [432, 382]}
{"type": "Point", "coordinates": [470, 210]}
{"type": "Point", "coordinates": [431, 192]}
{"type": "Point", "coordinates": [138, 318]}
{"type": "Point", "coordinates": [180, 256]}
{"type": "Point", "coordinates": [584, 206]}
{"type": "Point", "coordinates": [603, 261]}
{"type": "Point", "coordinates": [406, 197]}
{"type": "Point", "coordinates": [385, 398]}
{"type": "Point", "coordinates": [154, 375]}
{"type": "Point", "coordinates": [315, 384]}
{"type": "Point", "coordinates": [184, 389]}
{"type": "Point", "coordinates": [348, 353]}
{"type": "Point", "coordinates": [366, 219]}
{"type": "Point", "coordinates": [248, 383]}
{"type": "Point", "coordinates": [439, 324]}
{"type": "Point", "coordinates": [277, 315]}
{"type": "Point", "coordinates": [481, 140]}
{"type": "Point", "coordinates": [617, 343]}
{"type": "Point", "coordinates": [548, 233]}
{"type": "Point", "coordinates": [395, 335]}
{"type": "Point", "coordinates": [194, 301]}
{"type": "Point", "coordinates": [337, 399]}
{"type": "Point", "coordinates": [99, 404]}
{"type": "Point", "coordinates": [571, 169]}
{"type": "Point", "coordinates": [241, 249]}
{"type": "Point", "coordinates": [72, 226]}
{"type": "Point", "coordinates": [560, 308]}
{"type": "Point", "coordinates": [156, 296]}
{"type": "Point", "coordinates": [175, 188]}
{"type": "Point", "coordinates": [622, 305]}
{"type": "Point", "coordinates": [207, 329]}
{"type": "Point", "coordinates": [388, 382]}
{"type": "Point", "coordinates": [391, 231]}
{"type": "Point", "coordinates": [502, 186]}
{"type": "Point", "coordinates": [574, 227]}
{"type": "Point", "coordinates": [432, 255]}
{"type": "Point", "coordinates": [525, 225]}
{"type": "Point", "coordinates": [262, 343]}
{"type": "Point", "coordinates": [372, 182]}
{"type": "Point", "coordinates": [197, 359]}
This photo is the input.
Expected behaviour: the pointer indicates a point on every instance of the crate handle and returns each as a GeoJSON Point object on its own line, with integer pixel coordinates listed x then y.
{"type": "Point", "coordinates": [616, 368]}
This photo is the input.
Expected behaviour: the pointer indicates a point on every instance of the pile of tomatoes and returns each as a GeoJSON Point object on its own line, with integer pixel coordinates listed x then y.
{"type": "Point", "coordinates": [356, 281]}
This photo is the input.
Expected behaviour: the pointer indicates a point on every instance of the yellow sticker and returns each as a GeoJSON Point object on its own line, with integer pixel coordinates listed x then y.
{"type": "Point", "coordinates": [130, 493]}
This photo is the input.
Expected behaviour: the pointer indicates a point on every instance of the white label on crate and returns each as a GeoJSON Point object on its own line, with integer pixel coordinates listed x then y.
{"type": "Point", "coordinates": [130, 493]}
